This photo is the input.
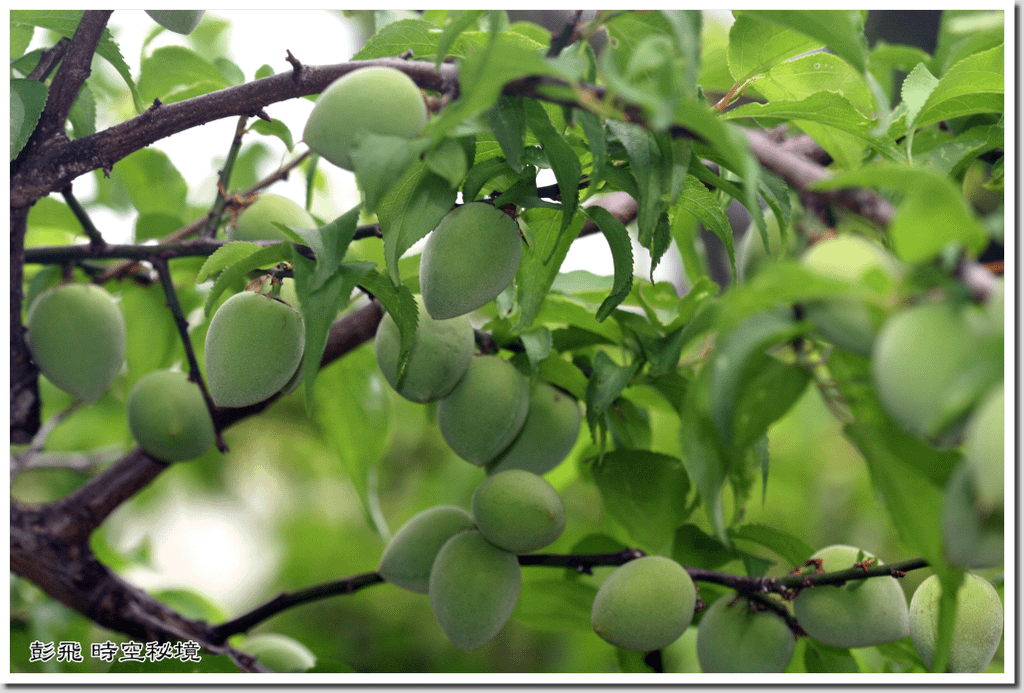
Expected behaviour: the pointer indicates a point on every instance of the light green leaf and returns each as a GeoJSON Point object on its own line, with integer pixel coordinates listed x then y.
{"type": "Point", "coordinates": [563, 160]}
{"type": "Point", "coordinates": [28, 98]}
{"type": "Point", "coordinates": [357, 425]}
{"type": "Point", "coordinates": [417, 35]}
{"type": "Point", "coordinates": [178, 21]}
{"type": "Point", "coordinates": [21, 37]}
{"type": "Point", "coordinates": [152, 182]}
{"type": "Point", "coordinates": [756, 46]}
{"type": "Point", "coordinates": [605, 385]}
{"type": "Point", "coordinates": [702, 204]}
{"type": "Point", "coordinates": [235, 272]}
{"type": "Point", "coordinates": [83, 113]}
{"type": "Point", "coordinates": [555, 603]}
{"type": "Point", "coordinates": [508, 123]}
{"type": "Point", "coordinates": [841, 30]}
{"type": "Point", "coordinates": [793, 550]}
{"type": "Point", "coordinates": [413, 207]}
{"type": "Point", "coordinates": [228, 254]}
{"type": "Point", "coordinates": [276, 129]}
{"type": "Point", "coordinates": [448, 160]}
{"type": "Point", "coordinates": [458, 22]}
{"type": "Point", "coordinates": [973, 85]}
{"type": "Point", "coordinates": [931, 215]}
{"type": "Point", "coordinates": [172, 73]}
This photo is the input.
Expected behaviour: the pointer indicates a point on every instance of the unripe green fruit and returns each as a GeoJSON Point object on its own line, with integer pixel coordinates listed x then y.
{"type": "Point", "coordinates": [380, 100]}
{"type": "Point", "coordinates": [409, 555]}
{"type": "Point", "coordinates": [644, 605]}
{"type": "Point", "coordinates": [178, 21]}
{"type": "Point", "coordinates": [845, 322]}
{"type": "Point", "coordinates": [168, 417]}
{"type": "Point", "coordinates": [921, 367]}
{"type": "Point", "coordinates": [972, 536]}
{"type": "Point", "coordinates": [474, 586]}
{"type": "Point", "coordinates": [253, 347]}
{"type": "Point", "coordinates": [977, 625]}
{"type": "Point", "coordinates": [256, 222]}
{"type": "Point", "coordinates": [439, 357]}
{"type": "Point", "coordinates": [870, 611]}
{"type": "Point", "coordinates": [518, 511]}
{"type": "Point", "coordinates": [279, 653]}
{"type": "Point", "coordinates": [485, 411]}
{"type": "Point", "coordinates": [681, 656]}
{"type": "Point", "coordinates": [469, 259]}
{"type": "Point", "coordinates": [76, 334]}
{"type": "Point", "coordinates": [984, 450]}
{"type": "Point", "coordinates": [732, 638]}
{"type": "Point", "coordinates": [548, 436]}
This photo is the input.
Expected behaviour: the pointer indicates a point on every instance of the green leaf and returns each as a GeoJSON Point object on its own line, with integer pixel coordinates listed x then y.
{"type": "Point", "coordinates": [458, 22]}
{"type": "Point", "coordinates": [379, 161]}
{"type": "Point", "coordinates": [152, 343]}
{"type": "Point", "coordinates": [225, 256]}
{"type": "Point", "coordinates": [792, 549]}
{"type": "Point", "coordinates": [416, 35]}
{"type": "Point", "coordinates": [276, 129]}
{"type": "Point", "coordinates": [155, 225]}
{"type": "Point", "coordinates": [398, 301]}
{"type": "Point", "coordinates": [730, 369]}
{"type": "Point", "coordinates": [825, 659]}
{"type": "Point", "coordinates": [693, 547]}
{"type": "Point", "coordinates": [448, 160]}
{"type": "Point", "coordinates": [755, 46]}
{"type": "Point", "coordinates": [21, 37]}
{"type": "Point", "coordinates": [557, 371]}
{"type": "Point", "coordinates": [82, 115]}
{"type": "Point", "coordinates": [841, 30]}
{"type": "Point", "coordinates": [318, 307]}
{"type": "Point", "coordinates": [702, 204]}
{"type": "Point", "coordinates": [484, 73]}
{"type": "Point", "coordinates": [208, 664]}
{"type": "Point", "coordinates": [540, 265]}
{"type": "Point", "coordinates": [28, 98]}
{"type": "Point", "coordinates": [973, 85]}
{"type": "Point", "coordinates": [152, 182]}
{"type": "Point", "coordinates": [913, 502]}
{"type": "Point", "coordinates": [823, 108]}
{"type": "Point", "coordinates": [175, 72]}
{"type": "Point", "coordinates": [931, 215]}
{"type": "Point", "coordinates": [356, 425]}
{"type": "Point", "coordinates": [605, 385]}
{"type": "Point", "coordinates": [555, 604]}
{"type": "Point", "coordinates": [622, 257]}
{"type": "Point", "coordinates": [65, 22]}
{"type": "Point", "coordinates": [764, 397]}
{"type": "Point", "coordinates": [564, 161]}
{"type": "Point", "coordinates": [236, 272]}
{"type": "Point", "coordinates": [704, 460]}
{"type": "Point", "coordinates": [645, 492]}
{"type": "Point", "coordinates": [329, 243]}
{"type": "Point", "coordinates": [507, 119]}
{"type": "Point", "coordinates": [594, 130]}
{"type": "Point", "coordinates": [413, 207]}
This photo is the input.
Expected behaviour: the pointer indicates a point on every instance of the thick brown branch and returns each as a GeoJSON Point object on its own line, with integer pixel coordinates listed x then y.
{"type": "Point", "coordinates": [67, 160]}
{"type": "Point", "coordinates": [71, 74]}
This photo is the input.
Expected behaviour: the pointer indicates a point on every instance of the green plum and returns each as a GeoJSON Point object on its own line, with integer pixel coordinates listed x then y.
{"type": "Point", "coordinates": [977, 624]}
{"type": "Point", "coordinates": [168, 418]}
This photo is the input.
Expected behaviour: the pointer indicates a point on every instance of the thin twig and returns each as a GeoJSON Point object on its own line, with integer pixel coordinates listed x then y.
{"type": "Point", "coordinates": [49, 59]}
{"type": "Point", "coordinates": [221, 201]}
{"type": "Point", "coordinates": [96, 241]}
{"type": "Point", "coordinates": [167, 282]}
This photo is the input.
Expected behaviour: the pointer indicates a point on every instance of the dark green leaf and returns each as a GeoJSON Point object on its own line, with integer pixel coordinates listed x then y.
{"type": "Point", "coordinates": [508, 123]}
{"type": "Point", "coordinates": [824, 659]}
{"type": "Point", "coordinates": [380, 160]}
{"type": "Point", "coordinates": [702, 204]}
{"type": "Point", "coordinates": [704, 460]}
{"type": "Point", "coordinates": [563, 160]}
{"type": "Point", "coordinates": [605, 385]}
{"type": "Point", "coordinates": [792, 549]}
{"type": "Point", "coordinates": [693, 547]}
{"type": "Point", "coordinates": [28, 98]}
{"type": "Point", "coordinates": [555, 604]}
{"type": "Point", "coordinates": [413, 207]}
{"type": "Point", "coordinates": [767, 392]}
{"type": "Point", "coordinates": [622, 257]}
{"type": "Point", "coordinates": [448, 160]}
{"type": "Point", "coordinates": [594, 131]}
{"type": "Point", "coordinates": [646, 493]}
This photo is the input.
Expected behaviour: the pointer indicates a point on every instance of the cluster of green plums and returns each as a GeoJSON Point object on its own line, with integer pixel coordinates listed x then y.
{"type": "Point", "coordinates": [936, 366]}
{"type": "Point", "coordinates": [467, 561]}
